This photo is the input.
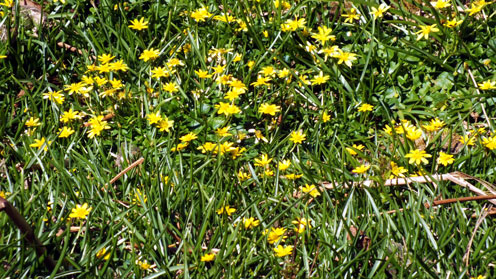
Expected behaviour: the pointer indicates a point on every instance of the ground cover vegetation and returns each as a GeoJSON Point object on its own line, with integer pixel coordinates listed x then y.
{"type": "Point", "coordinates": [247, 139]}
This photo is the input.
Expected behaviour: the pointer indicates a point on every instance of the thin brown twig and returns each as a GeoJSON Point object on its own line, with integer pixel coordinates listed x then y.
{"type": "Point", "coordinates": [124, 171]}
{"type": "Point", "coordinates": [27, 232]}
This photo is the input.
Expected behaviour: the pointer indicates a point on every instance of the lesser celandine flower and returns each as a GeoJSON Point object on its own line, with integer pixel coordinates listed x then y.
{"type": "Point", "coordinates": [144, 265]}
{"type": "Point", "coordinates": [103, 253]}
{"type": "Point", "coordinates": [311, 190]}
{"type": "Point", "coordinates": [379, 11]}
{"type": "Point", "coordinates": [65, 132]}
{"type": "Point", "coordinates": [345, 57]}
{"type": "Point", "coordinates": [397, 171]}
{"type": "Point", "coordinates": [425, 30]}
{"type": "Point", "coordinates": [301, 224]}
{"type": "Point", "coordinates": [149, 54]}
{"type": "Point", "coordinates": [445, 159]}
{"type": "Point", "coordinates": [323, 35]}
{"type": "Point", "coordinates": [200, 14]}
{"type": "Point", "coordinates": [325, 117]}
{"type": "Point", "coordinates": [165, 124]}
{"type": "Point", "coordinates": [188, 137]}
{"type": "Point", "coordinates": [467, 140]}
{"type": "Point", "coordinates": [269, 109]}
{"type": "Point", "coordinates": [97, 126]}
{"type": "Point", "coordinates": [490, 142]}
{"type": "Point", "coordinates": [227, 210]}
{"type": "Point", "coordinates": [283, 165]}
{"type": "Point", "coordinates": [297, 137]}
{"type": "Point", "coordinates": [352, 151]}
{"type": "Point", "coordinates": [319, 79]}
{"type": "Point", "coordinates": [418, 156]}
{"type": "Point", "coordinates": [39, 143]}
{"type": "Point", "coordinates": [263, 161]}
{"type": "Point", "coordinates": [208, 257]}
{"type": "Point", "coordinates": [33, 122]}
{"type": "Point", "coordinates": [351, 15]}
{"type": "Point", "coordinates": [80, 212]}
{"type": "Point", "coordinates": [487, 85]}
{"type": "Point", "coordinates": [282, 251]}
{"type": "Point", "coordinates": [139, 24]}
{"type": "Point", "coordinates": [361, 169]}
{"type": "Point", "coordinates": [441, 4]}
{"type": "Point", "coordinates": [276, 234]}
{"type": "Point", "coordinates": [227, 109]}
{"type": "Point", "coordinates": [250, 223]}
{"type": "Point", "coordinates": [365, 107]}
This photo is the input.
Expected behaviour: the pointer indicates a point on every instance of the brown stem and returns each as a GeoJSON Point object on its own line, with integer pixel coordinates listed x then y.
{"type": "Point", "coordinates": [140, 160]}
{"type": "Point", "coordinates": [26, 230]}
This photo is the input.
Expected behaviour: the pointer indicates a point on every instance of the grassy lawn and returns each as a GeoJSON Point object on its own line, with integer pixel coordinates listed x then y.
{"type": "Point", "coordinates": [247, 139]}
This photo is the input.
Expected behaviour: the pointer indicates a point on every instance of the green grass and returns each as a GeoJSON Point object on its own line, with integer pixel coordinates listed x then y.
{"type": "Point", "coordinates": [165, 210]}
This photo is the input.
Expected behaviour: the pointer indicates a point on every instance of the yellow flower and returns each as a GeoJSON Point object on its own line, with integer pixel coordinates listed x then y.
{"type": "Point", "coordinates": [33, 122]}
{"type": "Point", "coordinates": [154, 117]}
{"type": "Point", "coordinates": [311, 189]}
{"type": "Point", "coordinates": [226, 209]}
{"type": "Point", "coordinates": [397, 171]}
{"type": "Point", "coordinates": [297, 137]}
{"type": "Point", "coordinates": [250, 223]}
{"type": "Point", "coordinates": [105, 58]}
{"type": "Point", "coordinates": [180, 146]}
{"type": "Point", "coordinates": [474, 8]}
{"type": "Point", "coordinates": [489, 142]}
{"type": "Point", "coordinates": [263, 161]}
{"type": "Point", "coordinates": [268, 71]}
{"type": "Point", "coordinates": [378, 12]}
{"type": "Point", "coordinates": [283, 165]}
{"type": "Point", "coordinates": [418, 156]}
{"type": "Point", "coordinates": [200, 14]}
{"type": "Point", "coordinates": [188, 137]}
{"type": "Point", "coordinates": [283, 251]}
{"type": "Point", "coordinates": [323, 35]}
{"type": "Point", "coordinates": [361, 169]}
{"type": "Point", "coordinates": [365, 107]}
{"type": "Point", "coordinates": [467, 140]}
{"type": "Point", "coordinates": [138, 197]}
{"type": "Point", "coordinates": [207, 147]}
{"type": "Point", "coordinates": [97, 126]}
{"type": "Point", "coordinates": [276, 234]}
{"type": "Point", "coordinates": [7, 3]}
{"type": "Point", "coordinates": [352, 151]}
{"type": "Point", "coordinates": [425, 30]}
{"type": "Point", "coordinates": [445, 159]}
{"type": "Point", "coordinates": [149, 54]}
{"type": "Point", "coordinates": [139, 24]}
{"type": "Point", "coordinates": [69, 115]}
{"type": "Point", "coordinates": [171, 87]}
{"type": "Point", "coordinates": [223, 132]}
{"type": "Point", "coordinates": [345, 57]}
{"type": "Point", "coordinates": [243, 176]}
{"type": "Point", "coordinates": [351, 15]}
{"type": "Point", "coordinates": [301, 224]}
{"type": "Point", "coordinates": [293, 176]}
{"type": "Point", "coordinates": [487, 85]}
{"type": "Point", "coordinates": [227, 109]}
{"type": "Point", "coordinates": [165, 124]}
{"type": "Point", "coordinates": [56, 97]}
{"type": "Point", "coordinates": [208, 257]}
{"type": "Point", "coordinates": [80, 212]}
{"type": "Point", "coordinates": [319, 79]}
{"type": "Point", "coordinates": [269, 109]}
{"type": "Point", "coordinates": [65, 132]}
{"type": "Point", "coordinates": [39, 144]}
{"type": "Point", "coordinates": [261, 81]}
{"type": "Point", "coordinates": [441, 4]}
{"type": "Point", "coordinates": [452, 23]}
{"type": "Point", "coordinates": [103, 253]}
{"type": "Point", "coordinates": [118, 65]}
{"type": "Point", "coordinates": [434, 126]}
{"type": "Point", "coordinates": [144, 265]}
{"type": "Point", "coordinates": [159, 72]}
{"type": "Point", "coordinates": [325, 117]}
{"type": "Point", "coordinates": [202, 74]}
{"type": "Point", "coordinates": [413, 133]}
